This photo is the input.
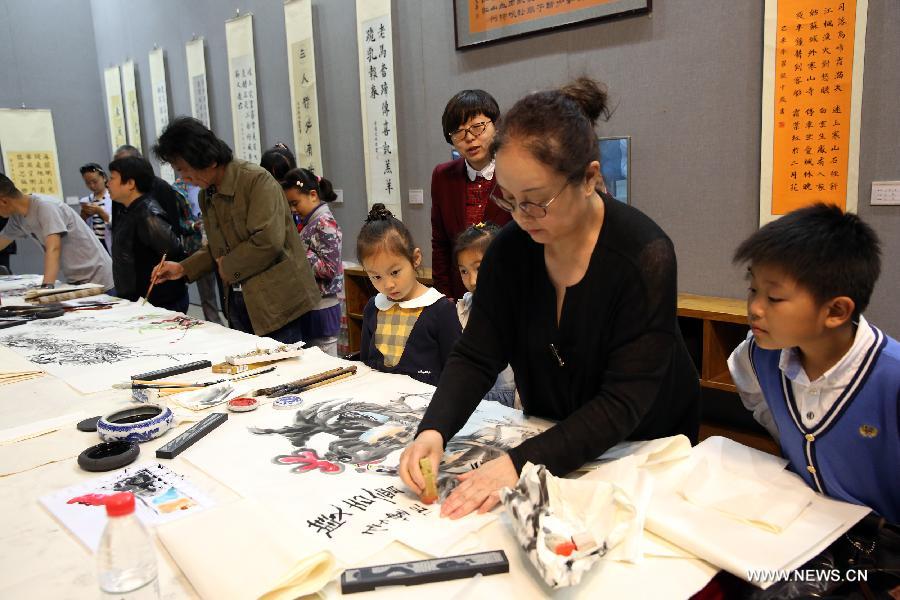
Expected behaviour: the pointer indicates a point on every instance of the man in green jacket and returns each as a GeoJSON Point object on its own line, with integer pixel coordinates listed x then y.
{"type": "Point", "coordinates": [253, 242]}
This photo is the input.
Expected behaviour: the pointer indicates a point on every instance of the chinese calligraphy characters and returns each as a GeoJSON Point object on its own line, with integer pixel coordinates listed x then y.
{"type": "Point", "coordinates": [34, 172]}
{"type": "Point", "coordinates": [244, 107]}
{"type": "Point", "coordinates": [812, 94]}
{"type": "Point", "coordinates": [376, 56]}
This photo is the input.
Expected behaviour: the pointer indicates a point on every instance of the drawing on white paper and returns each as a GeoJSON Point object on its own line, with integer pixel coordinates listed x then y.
{"type": "Point", "coordinates": [19, 290]}
{"type": "Point", "coordinates": [163, 322]}
{"type": "Point", "coordinates": [44, 351]}
{"type": "Point", "coordinates": [365, 434]}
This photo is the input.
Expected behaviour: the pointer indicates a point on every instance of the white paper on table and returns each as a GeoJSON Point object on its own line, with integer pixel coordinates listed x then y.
{"type": "Point", "coordinates": [626, 464]}
{"type": "Point", "coordinates": [735, 545]}
{"type": "Point", "coordinates": [646, 453]}
{"type": "Point", "coordinates": [254, 552]}
{"type": "Point", "coordinates": [161, 495]}
{"type": "Point", "coordinates": [638, 485]}
{"type": "Point", "coordinates": [759, 502]}
{"type": "Point", "coordinates": [656, 547]}
{"type": "Point", "coordinates": [31, 430]}
{"type": "Point", "coordinates": [18, 283]}
{"type": "Point", "coordinates": [604, 508]}
{"type": "Point", "coordinates": [744, 484]}
{"type": "Point", "coordinates": [344, 442]}
{"type": "Point", "coordinates": [92, 350]}
{"type": "Point", "coordinates": [434, 535]}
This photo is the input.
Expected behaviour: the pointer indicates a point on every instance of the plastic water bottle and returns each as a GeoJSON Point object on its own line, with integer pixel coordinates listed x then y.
{"type": "Point", "coordinates": [126, 559]}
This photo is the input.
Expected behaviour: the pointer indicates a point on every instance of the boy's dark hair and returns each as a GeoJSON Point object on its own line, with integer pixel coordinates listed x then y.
{"type": "Point", "coordinates": [476, 237]}
{"type": "Point", "coordinates": [134, 169]}
{"type": "Point", "coordinates": [305, 181]}
{"type": "Point", "coordinates": [557, 126]}
{"type": "Point", "coordinates": [278, 160]}
{"type": "Point", "coordinates": [829, 252]}
{"type": "Point", "coordinates": [94, 168]}
{"type": "Point", "coordinates": [384, 231]}
{"type": "Point", "coordinates": [465, 105]}
{"type": "Point", "coordinates": [7, 188]}
{"type": "Point", "coordinates": [192, 141]}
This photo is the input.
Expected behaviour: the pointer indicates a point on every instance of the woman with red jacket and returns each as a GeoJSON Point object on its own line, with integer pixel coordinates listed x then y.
{"type": "Point", "coordinates": [461, 188]}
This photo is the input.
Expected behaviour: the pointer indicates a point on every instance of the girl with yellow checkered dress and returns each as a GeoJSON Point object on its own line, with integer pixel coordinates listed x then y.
{"type": "Point", "coordinates": [408, 327]}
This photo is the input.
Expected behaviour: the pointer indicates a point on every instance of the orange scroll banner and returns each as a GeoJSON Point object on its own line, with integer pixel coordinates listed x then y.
{"type": "Point", "coordinates": [812, 94]}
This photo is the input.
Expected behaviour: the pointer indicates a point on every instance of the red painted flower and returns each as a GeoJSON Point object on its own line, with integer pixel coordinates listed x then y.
{"type": "Point", "coordinates": [308, 460]}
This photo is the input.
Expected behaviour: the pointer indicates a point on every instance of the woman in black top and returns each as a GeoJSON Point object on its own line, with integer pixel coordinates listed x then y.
{"type": "Point", "coordinates": [578, 296]}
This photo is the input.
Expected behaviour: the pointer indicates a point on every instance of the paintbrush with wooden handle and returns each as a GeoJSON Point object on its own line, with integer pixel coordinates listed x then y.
{"type": "Point", "coordinates": [295, 387]}
{"type": "Point", "coordinates": [153, 280]}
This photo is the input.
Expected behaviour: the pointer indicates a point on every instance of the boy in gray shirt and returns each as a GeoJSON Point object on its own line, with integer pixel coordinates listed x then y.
{"type": "Point", "coordinates": [68, 243]}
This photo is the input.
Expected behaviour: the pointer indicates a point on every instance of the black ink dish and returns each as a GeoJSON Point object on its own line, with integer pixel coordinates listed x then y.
{"type": "Point", "coordinates": [108, 456]}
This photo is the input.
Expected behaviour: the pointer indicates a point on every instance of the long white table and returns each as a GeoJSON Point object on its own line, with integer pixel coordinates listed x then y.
{"type": "Point", "coordinates": [40, 558]}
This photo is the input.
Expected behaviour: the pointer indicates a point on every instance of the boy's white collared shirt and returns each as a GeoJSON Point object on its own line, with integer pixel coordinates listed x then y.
{"type": "Point", "coordinates": [431, 296]}
{"type": "Point", "coordinates": [814, 398]}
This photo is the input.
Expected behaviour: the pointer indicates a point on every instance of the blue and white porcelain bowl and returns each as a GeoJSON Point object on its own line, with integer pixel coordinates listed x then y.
{"type": "Point", "coordinates": [136, 423]}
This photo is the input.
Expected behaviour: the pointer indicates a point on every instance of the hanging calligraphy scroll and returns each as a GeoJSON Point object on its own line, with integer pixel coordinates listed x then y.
{"type": "Point", "coordinates": [160, 103]}
{"type": "Point", "coordinates": [242, 78]}
{"type": "Point", "coordinates": [302, 72]}
{"type": "Point", "coordinates": [376, 81]}
{"type": "Point", "coordinates": [114, 111]}
{"type": "Point", "coordinates": [132, 113]}
{"type": "Point", "coordinates": [812, 95]}
{"type": "Point", "coordinates": [29, 150]}
{"type": "Point", "coordinates": [482, 21]}
{"type": "Point", "coordinates": [196, 70]}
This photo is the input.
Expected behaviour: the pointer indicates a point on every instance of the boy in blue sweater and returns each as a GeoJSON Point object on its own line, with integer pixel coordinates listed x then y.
{"type": "Point", "coordinates": [815, 373]}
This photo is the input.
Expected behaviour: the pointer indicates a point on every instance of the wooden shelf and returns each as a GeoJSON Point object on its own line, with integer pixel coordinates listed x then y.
{"type": "Point", "coordinates": [720, 382]}
{"type": "Point", "coordinates": [713, 327]}
{"type": "Point", "coordinates": [727, 310]}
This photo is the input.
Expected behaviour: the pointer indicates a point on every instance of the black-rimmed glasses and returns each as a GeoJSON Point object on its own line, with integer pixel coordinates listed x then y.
{"type": "Point", "coordinates": [536, 211]}
{"type": "Point", "coordinates": [475, 129]}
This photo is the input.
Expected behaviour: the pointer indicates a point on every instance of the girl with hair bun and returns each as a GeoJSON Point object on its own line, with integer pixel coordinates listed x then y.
{"type": "Point", "coordinates": [408, 327]}
{"type": "Point", "coordinates": [578, 297]}
{"type": "Point", "coordinates": [307, 196]}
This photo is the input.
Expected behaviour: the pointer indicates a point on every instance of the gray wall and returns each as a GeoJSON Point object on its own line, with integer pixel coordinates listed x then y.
{"type": "Point", "coordinates": [47, 60]}
{"type": "Point", "coordinates": [686, 81]}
